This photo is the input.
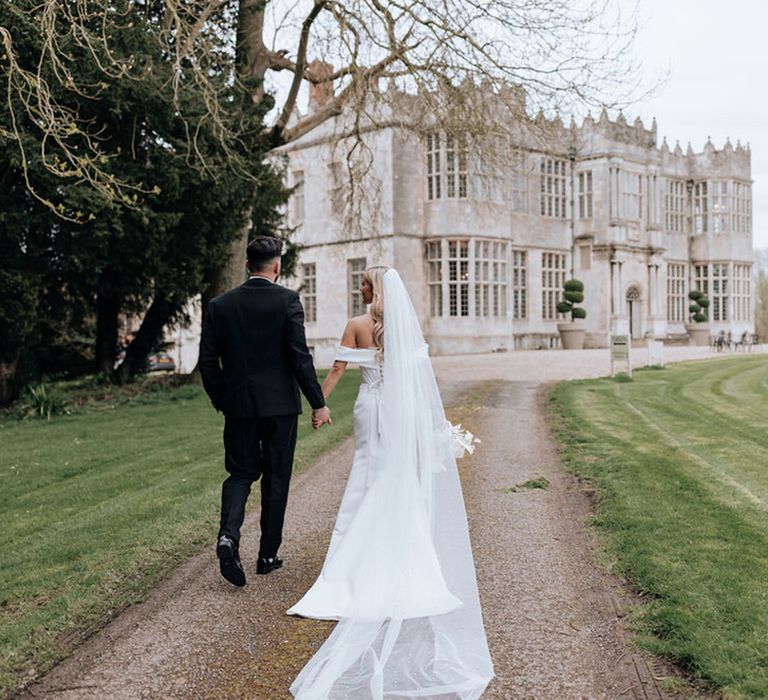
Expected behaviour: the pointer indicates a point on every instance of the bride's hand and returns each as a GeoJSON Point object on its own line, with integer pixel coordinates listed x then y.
{"type": "Point", "coordinates": [320, 417]}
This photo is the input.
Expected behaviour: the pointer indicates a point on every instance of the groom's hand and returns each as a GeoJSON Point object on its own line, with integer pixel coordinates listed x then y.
{"type": "Point", "coordinates": [321, 416]}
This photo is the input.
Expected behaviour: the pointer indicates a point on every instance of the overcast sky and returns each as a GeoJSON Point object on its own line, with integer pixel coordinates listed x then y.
{"type": "Point", "coordinates": [717, 56]}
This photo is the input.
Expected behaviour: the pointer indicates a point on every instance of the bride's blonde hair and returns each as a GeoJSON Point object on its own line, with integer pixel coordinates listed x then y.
{"type": "Point", "coordinates": [375, 277]}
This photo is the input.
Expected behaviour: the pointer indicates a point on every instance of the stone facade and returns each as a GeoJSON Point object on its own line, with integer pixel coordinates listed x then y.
{"type": "Point", "coordinates": [484, 243]}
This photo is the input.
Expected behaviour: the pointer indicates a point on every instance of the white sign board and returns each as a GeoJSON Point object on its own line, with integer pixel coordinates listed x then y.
{"type": "Point", "coordinates": [621, 354]}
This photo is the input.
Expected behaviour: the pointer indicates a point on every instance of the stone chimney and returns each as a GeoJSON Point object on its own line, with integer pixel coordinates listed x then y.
{"type": "Point", "coordinates": [320, 93]}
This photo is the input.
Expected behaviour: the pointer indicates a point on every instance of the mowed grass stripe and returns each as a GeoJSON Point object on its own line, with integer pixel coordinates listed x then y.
{"type": "Point", "coordinates": [680, 400]}
{"type": "Point", "coordinates": [732, 394]}
{"type": "Point", "coordinates": [658, 450]}
{"type": "Point", "coordinates": [733, 455]}
{"type": "Point", "coordinates": [98, 507]}
{"type": "Point", "coordinates": [745, 385]}
{"type": "Point", "coordinates": [746, 476]}
{"type": "Point", "coordinates": [727, 444]}
{"type": "Point", "coordinates": [718, 469]}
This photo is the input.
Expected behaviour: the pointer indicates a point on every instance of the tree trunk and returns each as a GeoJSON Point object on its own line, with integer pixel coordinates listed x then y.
{"type": "Point", "coordinates": [8, 387]}
{"type": "Point", "coordinates": [230, 274]}
{"type": "Point", "coordinates": [150, 331]}
{"type": "Point", "coordinates": [107, 313]}
{"type": "Point", "coordinates": [252, 60]}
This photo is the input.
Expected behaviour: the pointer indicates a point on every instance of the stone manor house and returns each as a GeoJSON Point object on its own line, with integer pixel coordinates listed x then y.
{"type": "Point", "coordinates": [640, 224]}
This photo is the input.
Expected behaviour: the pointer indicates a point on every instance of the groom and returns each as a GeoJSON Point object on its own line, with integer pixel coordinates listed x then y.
{"type": "Point", "coordinates": [253, 360]}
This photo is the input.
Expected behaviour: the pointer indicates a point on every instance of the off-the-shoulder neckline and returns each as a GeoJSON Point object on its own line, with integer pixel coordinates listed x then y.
{"type": "Point", "coordinates": [346, 347]}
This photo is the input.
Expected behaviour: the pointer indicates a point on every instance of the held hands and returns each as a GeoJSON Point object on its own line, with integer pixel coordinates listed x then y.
{"type": "Point", "coordinates": [320, 417]}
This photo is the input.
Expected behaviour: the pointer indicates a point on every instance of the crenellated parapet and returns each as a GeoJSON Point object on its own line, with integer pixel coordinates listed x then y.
{"type": "Point", "coordinates": [728, 162]}
{"type": "Point", "coordinates": [621, 138]}
{"type": "Point", "coordinates": [725, 162]}
{"type": "Point", "coordinates": [605, 133]}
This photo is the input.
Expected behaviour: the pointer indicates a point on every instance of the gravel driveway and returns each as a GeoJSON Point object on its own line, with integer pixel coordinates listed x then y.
{"type": "Point", "coordinates": [553, 614]}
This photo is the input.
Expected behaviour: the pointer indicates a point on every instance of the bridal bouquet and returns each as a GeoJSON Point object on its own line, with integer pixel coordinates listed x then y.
{"type": "Point", "coordinates": [463, 441]}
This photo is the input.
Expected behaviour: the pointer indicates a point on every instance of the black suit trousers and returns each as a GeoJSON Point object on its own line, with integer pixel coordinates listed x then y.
{"type": "Point", "coordinates": [258, 447]}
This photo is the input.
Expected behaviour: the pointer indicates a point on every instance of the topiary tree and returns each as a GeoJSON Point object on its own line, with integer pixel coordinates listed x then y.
{"type": "Point", "coordinates": [698, 308]}
{"type": "Point", "coordinates": [573, 293]}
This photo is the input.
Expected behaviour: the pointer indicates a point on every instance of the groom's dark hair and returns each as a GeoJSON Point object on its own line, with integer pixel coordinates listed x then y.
{"type": "Point", "coordinates": [263, 249]}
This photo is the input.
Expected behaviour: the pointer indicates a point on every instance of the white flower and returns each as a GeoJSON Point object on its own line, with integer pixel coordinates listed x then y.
{"type": "Point", "coordinates": [463, 441]}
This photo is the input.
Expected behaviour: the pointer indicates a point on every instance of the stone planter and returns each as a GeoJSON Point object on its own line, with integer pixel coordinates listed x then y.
{"type": "Point", "coordinates": [698, 333]}
{"type": "Point", "coordinates": [572, 335]}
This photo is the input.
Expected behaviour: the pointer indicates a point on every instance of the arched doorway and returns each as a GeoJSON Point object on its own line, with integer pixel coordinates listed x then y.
{"type": "Point", "coordinates": [634, 311]}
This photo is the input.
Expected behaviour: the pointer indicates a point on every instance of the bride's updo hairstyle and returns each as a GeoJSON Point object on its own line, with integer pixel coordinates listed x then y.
{"type": "Point", "coordinates": [375, 276]}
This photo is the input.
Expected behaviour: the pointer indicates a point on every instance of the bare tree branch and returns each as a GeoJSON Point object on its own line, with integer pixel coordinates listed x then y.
{"type": "Point", "coordinates": [565, 55]}
{"type": "Point", "coordinates": [337, 104]}
{"type": "Point", "coordinates": [279, 61]}
{"type": "Point", "coordinates": [301, 63]}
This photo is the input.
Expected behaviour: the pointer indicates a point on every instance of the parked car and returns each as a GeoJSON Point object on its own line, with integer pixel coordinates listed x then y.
{"type": "Point", "coordinates": [160, 362]}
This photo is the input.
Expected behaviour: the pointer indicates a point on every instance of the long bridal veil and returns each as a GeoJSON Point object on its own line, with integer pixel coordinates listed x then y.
{"type": "Point", "coordinates": [412, 626]}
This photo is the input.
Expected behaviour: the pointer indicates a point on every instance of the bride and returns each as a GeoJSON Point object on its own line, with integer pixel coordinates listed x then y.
{"type": "Point", "coordinates": [399, 575]}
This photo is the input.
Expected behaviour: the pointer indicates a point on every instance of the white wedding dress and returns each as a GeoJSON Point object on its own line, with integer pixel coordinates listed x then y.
{"type": "Point", "coordinates": [399, 574]}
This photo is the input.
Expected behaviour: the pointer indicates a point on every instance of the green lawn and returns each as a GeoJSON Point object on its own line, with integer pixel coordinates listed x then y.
{"type": "Point", "coordinates": [679, 458]}
{"type": "Point", "coordinates": [99, 506]}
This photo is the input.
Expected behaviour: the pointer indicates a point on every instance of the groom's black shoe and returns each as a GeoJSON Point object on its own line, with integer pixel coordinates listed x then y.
{"type": "Point", "coordinates": [229, 561]}
{"type": "Point", "coordinates": [265, 566]}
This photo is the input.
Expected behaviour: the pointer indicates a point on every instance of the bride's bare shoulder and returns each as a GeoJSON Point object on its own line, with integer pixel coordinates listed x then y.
{"type": "Point", "coordinates": [359, 332]}
{"type": "Point", "coordinates": [356, 331]}
{"type": "Point", "coordinates": [364, 321]}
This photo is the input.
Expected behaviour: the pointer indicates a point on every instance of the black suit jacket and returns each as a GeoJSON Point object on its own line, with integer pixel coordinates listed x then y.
{"type": "Point", "coordinates": [253, 352]}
